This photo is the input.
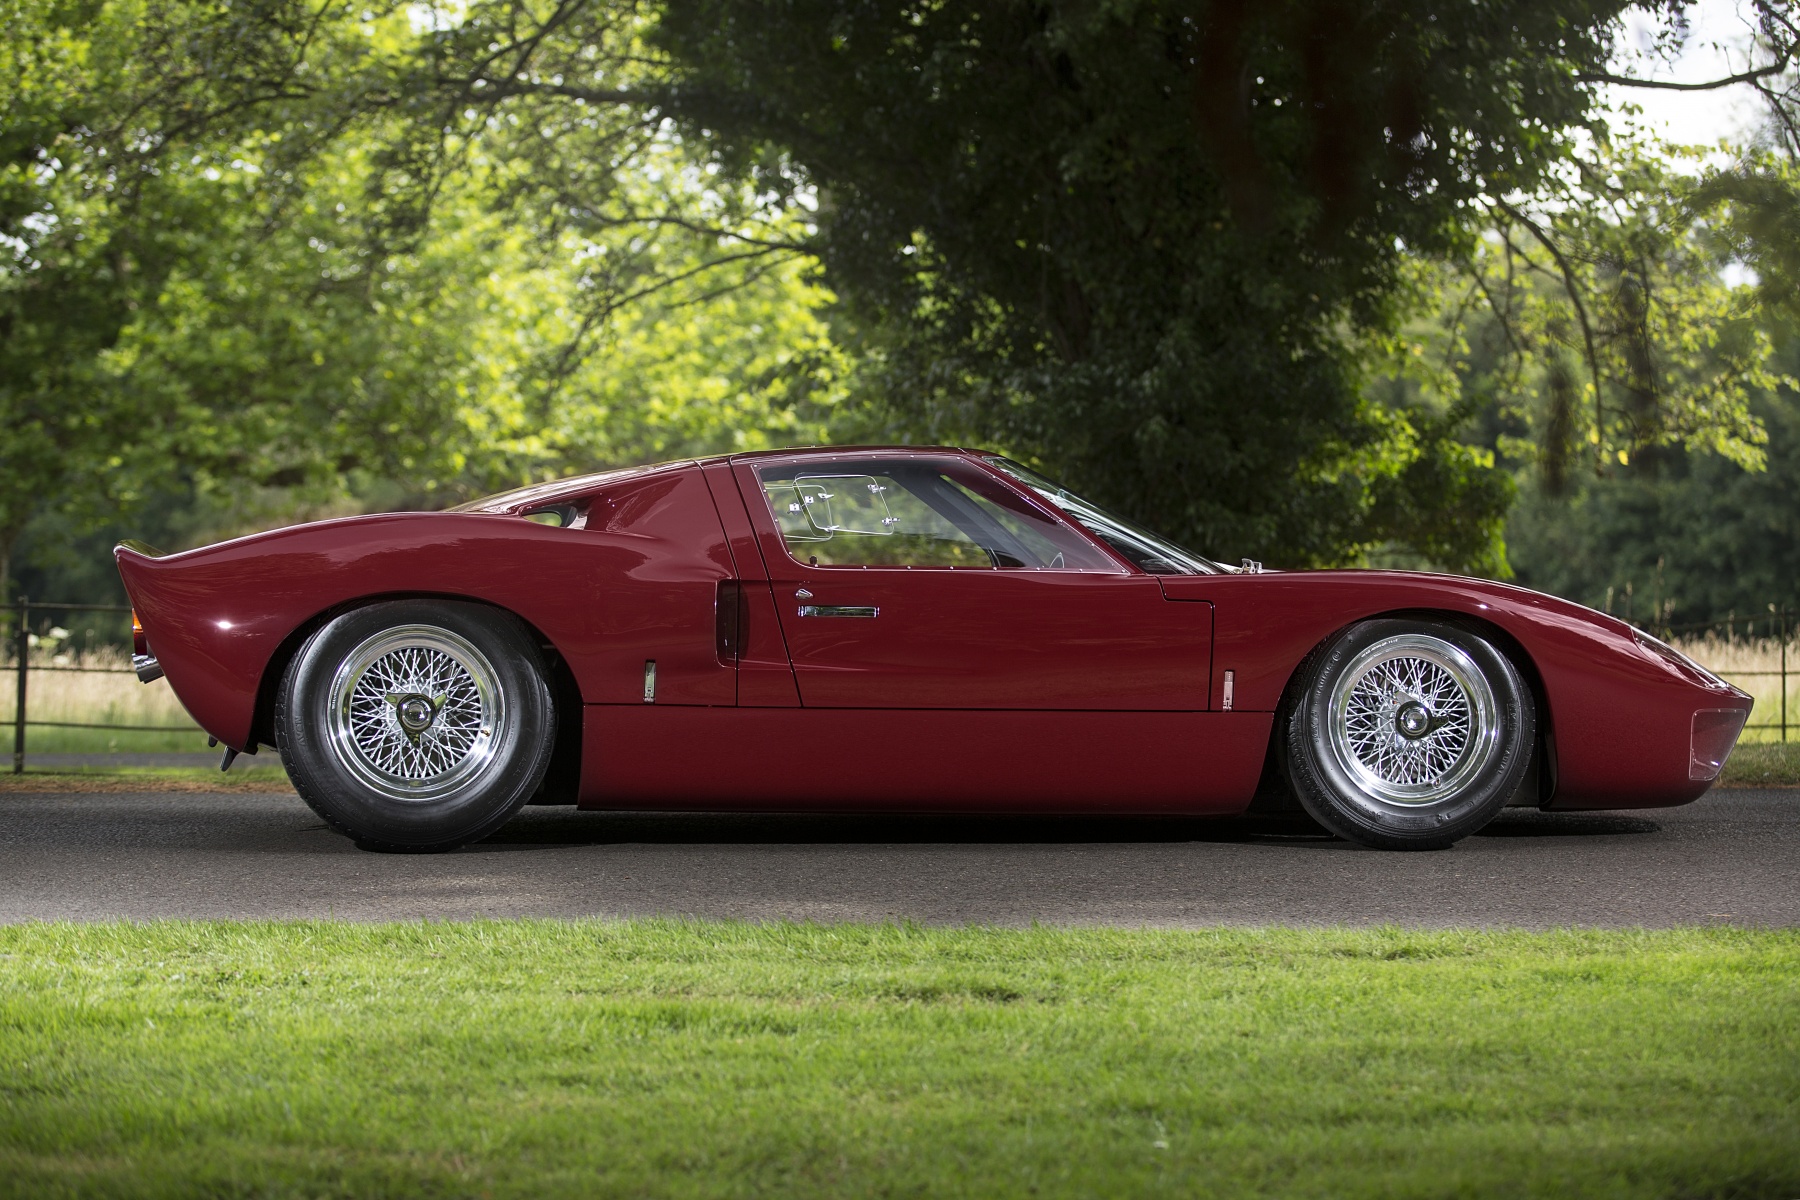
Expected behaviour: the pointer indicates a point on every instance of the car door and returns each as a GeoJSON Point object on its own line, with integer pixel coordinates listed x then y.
{"type": "Point", "coordinates": [921, 581]}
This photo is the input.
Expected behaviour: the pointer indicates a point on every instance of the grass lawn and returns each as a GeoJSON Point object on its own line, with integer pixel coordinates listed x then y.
{"type": "Point", "coordinates": [1763, 764]}
{"type": "Point", "coordinates": [103, 741]}
{"type": "Point", "coordinates": [261, 778]}
{"type": "Point", "coordinates": [714, 1059]}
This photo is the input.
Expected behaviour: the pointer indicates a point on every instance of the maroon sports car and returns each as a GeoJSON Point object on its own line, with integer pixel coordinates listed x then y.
{"type": "Point", "coordinates": [894, 629]}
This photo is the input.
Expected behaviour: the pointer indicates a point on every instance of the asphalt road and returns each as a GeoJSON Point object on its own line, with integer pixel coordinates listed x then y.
{"type": "Point", "coordinates": [1732, 857]}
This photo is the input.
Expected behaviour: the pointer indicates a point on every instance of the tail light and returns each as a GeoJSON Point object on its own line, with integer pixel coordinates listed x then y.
{"type": "Point", "coordinates": [139, 643]}
{"type": "Point", "coordinates": [1715, 733]}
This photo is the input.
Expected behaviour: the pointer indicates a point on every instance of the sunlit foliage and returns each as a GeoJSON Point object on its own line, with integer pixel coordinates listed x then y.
{"type": "Point", "coordinates": [244, 268]}
{"type": "Point", "coordinates": [1225, 265]}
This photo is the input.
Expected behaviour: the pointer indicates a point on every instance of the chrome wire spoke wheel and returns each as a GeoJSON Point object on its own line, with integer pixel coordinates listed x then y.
{"type": "Point", "coordinates": [415, 713]}
{"type": "Point", "coordinates": [1412, 720]}
{"type": "Point", "coordinates": [417, 725]}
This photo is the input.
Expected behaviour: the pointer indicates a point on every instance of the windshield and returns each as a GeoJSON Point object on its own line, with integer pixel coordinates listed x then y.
{"type": "Point", "coordinates": [1151, 554]}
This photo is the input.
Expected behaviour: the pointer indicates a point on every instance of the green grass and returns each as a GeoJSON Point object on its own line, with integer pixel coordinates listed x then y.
{"type": "Point", "coordinates": [41, 740]}
{"type": "Point", "coordinates": [1764, 764]}
{"type": "Point", "coordinates": [540, 1059]}
{"type": "Point", "coordinates": [266, 776]}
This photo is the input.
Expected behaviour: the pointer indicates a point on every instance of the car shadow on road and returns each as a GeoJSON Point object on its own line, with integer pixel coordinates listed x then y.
{"type": "Point", "coordinates": [1526, 822]}
{"type": "Point", "coordinates": [568, 827]}
{"type": "Point", "coordinates": [542, 828]}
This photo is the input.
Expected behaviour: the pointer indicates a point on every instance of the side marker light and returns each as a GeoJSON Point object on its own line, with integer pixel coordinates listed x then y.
{"type": "Point", "coordinates": [1715, 733]}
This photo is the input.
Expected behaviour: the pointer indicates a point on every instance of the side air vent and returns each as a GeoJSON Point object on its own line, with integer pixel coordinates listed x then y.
{"type": "Point", "coordinates": [558, 516]}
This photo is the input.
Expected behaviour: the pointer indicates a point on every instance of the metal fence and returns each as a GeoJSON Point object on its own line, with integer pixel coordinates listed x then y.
{"type": "Point", "coordinates": [22, 615]}
{"type": "Point", "coordinates": [1775, 626]}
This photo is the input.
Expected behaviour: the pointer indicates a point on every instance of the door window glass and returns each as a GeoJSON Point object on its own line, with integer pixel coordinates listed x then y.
{"type": "Point", "coordinates": [916, 513]}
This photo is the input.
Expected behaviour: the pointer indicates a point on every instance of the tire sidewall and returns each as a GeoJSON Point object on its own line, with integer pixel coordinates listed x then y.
{"type": "Point", "coordinates": [522, 748]}
{"type": "Point", "coordinates": [1331, 796]}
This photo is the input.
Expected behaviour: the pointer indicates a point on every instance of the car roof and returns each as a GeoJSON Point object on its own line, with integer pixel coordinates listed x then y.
{"type": "Point", "coordinates": [550, 491]}
{"type": "Point", "coordinates": [756, 456]}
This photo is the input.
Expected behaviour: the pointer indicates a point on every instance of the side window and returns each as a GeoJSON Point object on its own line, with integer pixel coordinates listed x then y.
{"type": "Point", "coordinates": [832, 519]}
{"type": "Point", "coordinates": [916, 513]}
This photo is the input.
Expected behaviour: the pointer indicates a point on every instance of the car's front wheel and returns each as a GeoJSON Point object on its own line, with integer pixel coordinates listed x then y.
{"type": "Point", "coordinates": [416, 725]}
{"type": "Point", "coordinates": [1407, 735]}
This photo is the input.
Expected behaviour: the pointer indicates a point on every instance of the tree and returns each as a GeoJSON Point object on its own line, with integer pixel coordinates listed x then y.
{"type": "Point", "coordinates": [120, 165]}
{"type": "Point", "coordinates": [1637, 396]}
{"type": "Point", "coordinates": [1150, 244]}
{"type": "Point", "coordinates": [1595, 326]}
{"type": "Point", "coordinates": [75, 273]}
{"type": "Point", "coordinates": [1697, 539]}
{"type": "Point", "coordinates": [248, 284]}
{"type": "Point", "coordinates": [1681, 531]}
{"type": "Point", "coordinates": [1166, 249]}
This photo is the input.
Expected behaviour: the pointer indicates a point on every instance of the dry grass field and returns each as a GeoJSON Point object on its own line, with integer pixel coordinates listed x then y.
{"type": "Point", "coordinates": [1754, 664]}
{"type": "Point", "coordinates": [96, 687]}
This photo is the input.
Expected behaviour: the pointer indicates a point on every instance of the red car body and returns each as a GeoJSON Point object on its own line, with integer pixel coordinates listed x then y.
{"type": "Point", "coordinates": [1102, 690]}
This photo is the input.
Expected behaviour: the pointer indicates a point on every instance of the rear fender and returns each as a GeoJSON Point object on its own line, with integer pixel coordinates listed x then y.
{"type": "Point", "coordinates": [226, 620]}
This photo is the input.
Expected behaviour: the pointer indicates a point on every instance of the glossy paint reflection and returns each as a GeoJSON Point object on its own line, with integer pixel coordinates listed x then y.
{"type": "Point", "coordinates": [1002, 688]}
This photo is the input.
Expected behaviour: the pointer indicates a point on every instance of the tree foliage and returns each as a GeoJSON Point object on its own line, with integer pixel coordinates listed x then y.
{"type": "Point", "coordinates": [1151, 243]}
{"type": "Point", "coordinates": [1597, 326]}
{"type": "Point", "coordinates": [1697, 538]}
{"type": "Point", "coordinates": [1681, 531]}
{"type": "Point", "coordinates": [252, 272]}
{"type": "Point", "coordinates": [1181, 252]}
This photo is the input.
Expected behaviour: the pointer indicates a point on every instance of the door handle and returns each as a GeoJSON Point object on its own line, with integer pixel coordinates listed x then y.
{"type": "Point", "coordinates": [839, 610]}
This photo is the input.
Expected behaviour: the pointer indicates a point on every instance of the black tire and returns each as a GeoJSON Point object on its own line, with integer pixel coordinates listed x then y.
{"type": "Point", "coordinates": [1409, 735]}
{"type": "Point", "coordinates": [417, 725]}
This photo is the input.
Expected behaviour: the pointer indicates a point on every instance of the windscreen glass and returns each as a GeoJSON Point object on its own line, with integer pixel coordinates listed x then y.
{"type": "Point", "coordinates": [1145, 550]}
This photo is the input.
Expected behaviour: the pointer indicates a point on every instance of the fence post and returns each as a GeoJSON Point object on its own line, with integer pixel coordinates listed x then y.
{"type": "Point", "coordinates": [1786, 632]}
{"type": "Point", "coordinates": [23, 634]}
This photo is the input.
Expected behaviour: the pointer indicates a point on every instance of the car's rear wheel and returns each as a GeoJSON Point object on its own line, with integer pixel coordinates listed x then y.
{"type": "Point", "coordinates": [1407, 735]}
{"type": "Point", "coordinates": [417, 725]}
